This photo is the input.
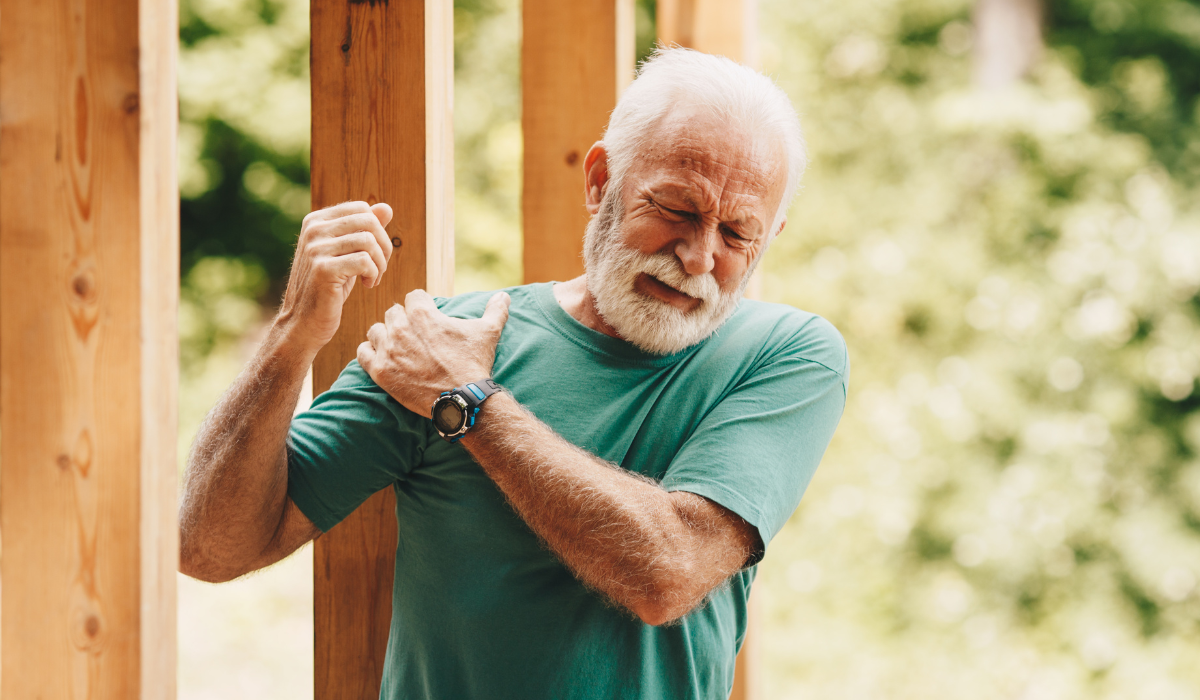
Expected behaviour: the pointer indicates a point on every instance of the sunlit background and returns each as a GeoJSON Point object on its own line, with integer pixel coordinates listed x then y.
{"type": "Point", "coordinates": [1004, 224]}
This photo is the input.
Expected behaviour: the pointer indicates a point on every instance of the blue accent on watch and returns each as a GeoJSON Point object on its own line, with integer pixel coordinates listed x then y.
{"type": "Point", "coordinates": [467, 400]}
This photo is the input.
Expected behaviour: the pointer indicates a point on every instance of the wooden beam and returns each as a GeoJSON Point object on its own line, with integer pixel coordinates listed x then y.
{"type": "Point", "coordinates": [747, 672]}
{"type": "Point", "coordinates": [89, 256]}
{"type": "Point", "coordinates": [382, 86]}
{"type": "Point", "coordinates": [726, 28]}
{"type": "Point", "coordinates": [575, 58]}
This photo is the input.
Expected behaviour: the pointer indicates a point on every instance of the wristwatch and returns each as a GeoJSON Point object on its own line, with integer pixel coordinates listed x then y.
{"type": "Point", "coordinates": [455, 410]}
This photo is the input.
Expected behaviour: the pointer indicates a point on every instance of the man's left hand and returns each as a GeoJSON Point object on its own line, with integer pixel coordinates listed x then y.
{"type": "Point", "coordinates": [418, 352]}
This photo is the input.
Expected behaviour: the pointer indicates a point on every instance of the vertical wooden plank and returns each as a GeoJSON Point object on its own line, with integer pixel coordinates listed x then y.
{"type": "Point", "coordinates": [724, 27]}
{"type": "Point", "coordinates": [727, 28]}
{"type": "Point", "coordinates": [747, 672]}
{"type": "Point", "coordinates": [88, 291]}
{"type": "Point", "coordinates": [626, 58]}
{"type": "Point", "coordinates": [158, 26]}
{"type": "Point", "coordinates": [570, 65]}
{"type": "Point", "coordinates": [382, 87]}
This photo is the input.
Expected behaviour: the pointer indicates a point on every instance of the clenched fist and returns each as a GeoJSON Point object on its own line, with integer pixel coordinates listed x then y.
{"type": "Point", "coordinates": [337, 246]}
{"type": "Point", "coordinates": [418, 352]}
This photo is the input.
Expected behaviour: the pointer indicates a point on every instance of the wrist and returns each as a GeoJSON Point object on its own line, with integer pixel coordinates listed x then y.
{"type": "Point", "coordinates": [492, 410]}
{"type": "Point", "coordinates": [289, 337]}
{"type": "Point", "coordinates": [455, 412]}
{"type": "Point", "coordinates": [288, 343]}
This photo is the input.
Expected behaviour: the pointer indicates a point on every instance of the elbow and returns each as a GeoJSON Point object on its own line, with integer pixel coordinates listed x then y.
{"type": "Point", "coordinates": [204, 569]}
{"type": "Point", "coordinates": [194, 562]}
{"type": "Point", "coordinates": [664, 603]}
{"type": "Point", "coordinates": [654, 614]}
{"type": "Point", "coordinates": [194, 565]}
{"type": "Point", "coordinates": [657, 613]}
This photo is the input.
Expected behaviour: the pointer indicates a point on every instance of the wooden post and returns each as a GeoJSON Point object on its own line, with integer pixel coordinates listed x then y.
{"type": "Point", "coordinates": [575, 58]}
{"type": "Point", "coordinates": [727, 28]}
{"type": "Point", "coordinates": [724, 27]}
{"type": "Point", "coordinates": [89, 282]}
{"type": "Point", "coordinates": [382, 86]}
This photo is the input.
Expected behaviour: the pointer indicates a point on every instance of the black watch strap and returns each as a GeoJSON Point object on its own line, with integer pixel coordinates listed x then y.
{"type": "Point", "coordinates": [476, 393]}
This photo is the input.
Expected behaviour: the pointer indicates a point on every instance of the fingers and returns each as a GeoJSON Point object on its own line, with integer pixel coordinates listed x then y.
{"type": "Point", "coordinates": [366, 355]}
{"type": "Point", "coordinates": [337, 211]}
{"type": "Point", "coordinates": [377, 336]}
{"type": "Point", "coordinates": [359, 264]}
{"type": "Point", "coordinates": [350, 218]}
{"type": "Point", "coordinates": [419, 300]}
{"type": "Point", "coordinates": [496, 313]}
{"type": "Point", "coordinates": [383, 212]}
{"type": "Point", "coordinates": [360, 241]}
{"type": "Point", "coordinates": [353, 223]}
{"type": "Point", "coordinates": [395, 316]}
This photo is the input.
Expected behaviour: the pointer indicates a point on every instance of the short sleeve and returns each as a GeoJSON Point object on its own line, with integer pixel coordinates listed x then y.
{"type": "Point", "coordinates": [354, 440]}
{"type": "Point", "coordinates": [756, 451]}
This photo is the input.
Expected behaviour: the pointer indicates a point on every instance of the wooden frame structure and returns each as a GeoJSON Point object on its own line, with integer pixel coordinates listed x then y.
{"type": "Point", "coordinates": [89, 291]}
{"type": "Point", "coordinates": [89, 282]}
{"type": "Point", "coordinates": [382, 90]}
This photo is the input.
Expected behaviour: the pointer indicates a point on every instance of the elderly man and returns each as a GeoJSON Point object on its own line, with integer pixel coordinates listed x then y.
{"type": "Point", "coordinates": [590, 530]}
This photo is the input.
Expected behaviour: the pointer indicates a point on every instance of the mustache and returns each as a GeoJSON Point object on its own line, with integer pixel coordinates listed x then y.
{"type": "Point", "coordinates": [667, 269]}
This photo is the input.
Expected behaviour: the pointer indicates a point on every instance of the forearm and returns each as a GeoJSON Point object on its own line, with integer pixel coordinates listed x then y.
{"type": "Point", "coordinates": [618, 532]}
{"type": "Point", "coordinates": [235, 489]}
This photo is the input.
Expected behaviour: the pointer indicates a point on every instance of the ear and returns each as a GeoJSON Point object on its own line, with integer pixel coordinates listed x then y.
{"type": "Point", "coordinates": [782, 225]}
{"type": "Point", "coordinates": [595, 176]}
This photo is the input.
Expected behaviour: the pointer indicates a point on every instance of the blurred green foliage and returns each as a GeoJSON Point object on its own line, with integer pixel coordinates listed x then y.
{"type": "Point", "coordinates": [1011, 508]}
{"type": "Point", "coordinates": [1143, 58]}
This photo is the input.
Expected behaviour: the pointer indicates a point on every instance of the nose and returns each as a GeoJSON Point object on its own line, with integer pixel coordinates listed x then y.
{"type": "Point", "coordinates": [696, 250]}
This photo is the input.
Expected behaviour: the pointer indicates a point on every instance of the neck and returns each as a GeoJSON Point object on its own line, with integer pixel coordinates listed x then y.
{"type": "Point", "coordinates": [575, 298]}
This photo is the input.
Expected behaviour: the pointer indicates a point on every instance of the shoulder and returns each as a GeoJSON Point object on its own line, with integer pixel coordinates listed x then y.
{"type": "Point", "coordinates": [783, 332]}
{"type": "Point", "coordinates": [472, 304]}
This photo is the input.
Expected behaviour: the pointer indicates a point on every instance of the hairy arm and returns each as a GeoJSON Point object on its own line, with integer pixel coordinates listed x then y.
{"type": "Point", "coordinates": [656, 553]}
{"type": "Point", "coordinates": [235, 515]}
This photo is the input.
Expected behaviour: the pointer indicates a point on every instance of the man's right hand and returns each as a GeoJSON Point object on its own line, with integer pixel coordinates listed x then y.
{"type": "Point", "coordinates": [337, 246]}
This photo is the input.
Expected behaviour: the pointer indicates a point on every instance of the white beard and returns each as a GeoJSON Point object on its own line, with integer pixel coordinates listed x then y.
{"type": "Point", "coordinates": [649, 323]}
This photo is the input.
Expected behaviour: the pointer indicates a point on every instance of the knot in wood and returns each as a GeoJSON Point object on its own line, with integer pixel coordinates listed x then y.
{"type": "Point", "coordinates": [572, 157]}
{"type": "Point", "coordinates": [82, 285]}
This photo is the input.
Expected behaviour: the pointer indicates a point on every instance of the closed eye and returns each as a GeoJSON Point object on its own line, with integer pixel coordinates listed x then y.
{"type": "Point", "coordinates": [733, 234]}
{"type": "Point", "coordinates": [673, 212]}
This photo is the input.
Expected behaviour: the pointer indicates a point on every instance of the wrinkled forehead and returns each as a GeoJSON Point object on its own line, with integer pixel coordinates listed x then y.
{"type": "Point", "coordinates": [692, 146]}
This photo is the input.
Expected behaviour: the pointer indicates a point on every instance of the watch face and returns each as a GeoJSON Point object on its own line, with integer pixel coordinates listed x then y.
{"type": "Point", "coordinates": [448, 416]}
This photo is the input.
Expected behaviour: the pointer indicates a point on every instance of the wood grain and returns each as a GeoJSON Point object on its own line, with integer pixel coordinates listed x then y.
{"type": "Point", "coordinates": [382, 86]}
{"type": "Point", "coordinates": [88, 296]}
{"type": "Point", "coordinates": [726, 28]}
{"type": "Point", "coordinates": [723, 27]}
{"type": "Point", "coordinates": [569, 83]}
{"type": "Point", "coordinates": [158, 26]}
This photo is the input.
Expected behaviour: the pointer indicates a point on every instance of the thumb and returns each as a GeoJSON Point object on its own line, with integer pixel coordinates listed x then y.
{"type": "Point", "coordinates": [365, 355]}
{"type": "Point", "coordinates": [496, 313]}
{"type": "Point", "coordinates": [383, 212]}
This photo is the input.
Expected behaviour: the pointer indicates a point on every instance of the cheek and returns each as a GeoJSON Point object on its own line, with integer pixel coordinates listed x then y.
{"type": "Point", "coordinates": [648, 234]}
{"type": "Point", "coordinates": [729, 268]}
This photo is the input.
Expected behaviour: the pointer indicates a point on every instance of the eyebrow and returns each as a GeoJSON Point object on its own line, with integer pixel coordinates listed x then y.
{"type": "Point", "coordinates": [750, 223]}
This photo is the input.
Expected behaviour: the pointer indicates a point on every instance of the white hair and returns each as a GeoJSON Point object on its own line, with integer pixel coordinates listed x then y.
{"type": "Point", "coordinates": [729, 91]}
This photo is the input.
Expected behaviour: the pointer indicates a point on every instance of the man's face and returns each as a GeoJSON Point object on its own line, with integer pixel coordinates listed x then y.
{"type": "Point", "coordinates": [669, 254]}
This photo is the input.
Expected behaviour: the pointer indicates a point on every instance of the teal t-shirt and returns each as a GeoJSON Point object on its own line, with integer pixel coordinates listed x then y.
{"type": "Point", "coordinates": [480, 608]}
